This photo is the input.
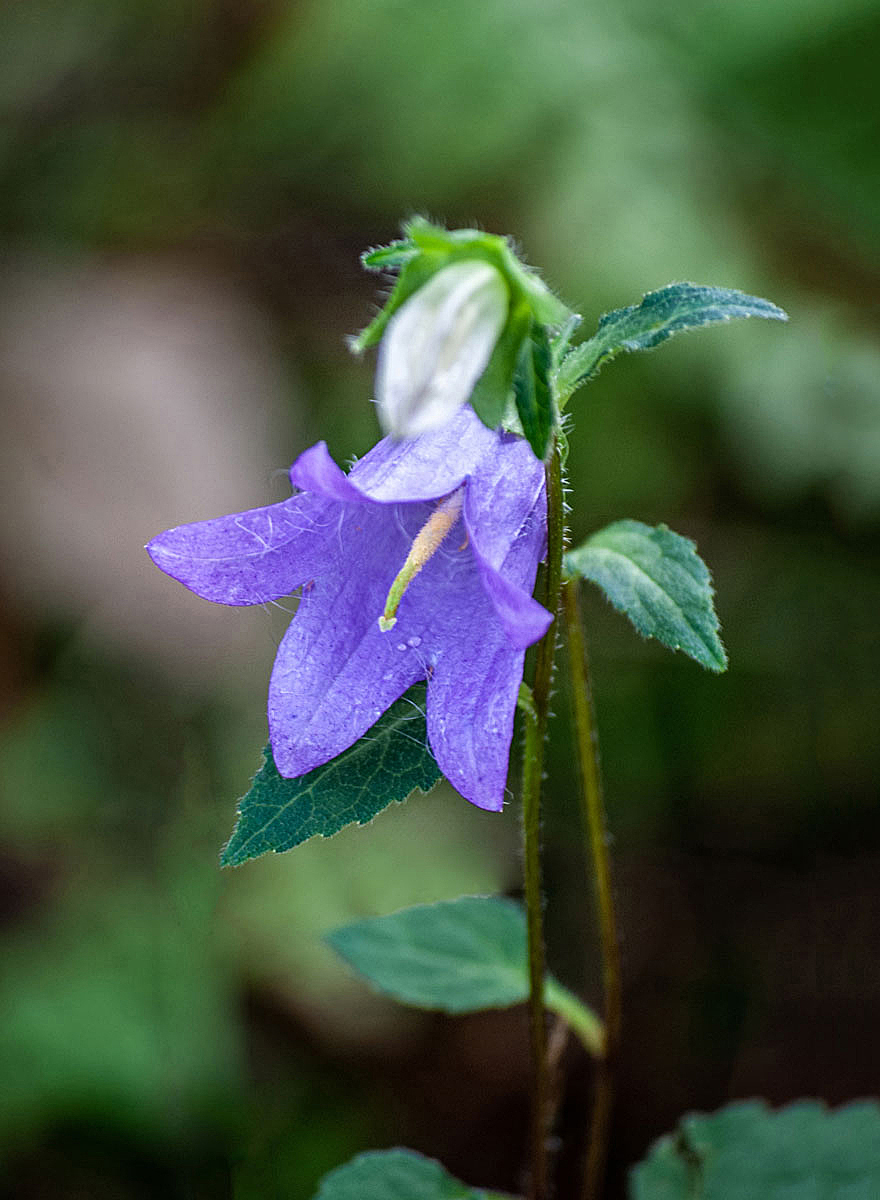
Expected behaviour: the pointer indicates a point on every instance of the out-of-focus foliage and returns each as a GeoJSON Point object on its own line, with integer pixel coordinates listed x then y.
{"type": "Point", "coordinates": [184, 192]}
{"type": "Point", "coordinates": [747, 1150]}
{"type": "Point", "coordinates": [384, 1175]}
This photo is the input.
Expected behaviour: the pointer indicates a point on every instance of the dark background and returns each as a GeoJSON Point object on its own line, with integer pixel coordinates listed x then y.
{"type": "Point", "coordinates": [184, 192]}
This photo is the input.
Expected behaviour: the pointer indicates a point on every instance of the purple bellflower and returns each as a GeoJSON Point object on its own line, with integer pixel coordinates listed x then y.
{"type": "Point", "coordinates": [418, 564]}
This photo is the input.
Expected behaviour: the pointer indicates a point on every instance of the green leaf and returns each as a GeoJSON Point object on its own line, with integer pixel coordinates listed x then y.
{"type": "Point", "coordinates": [531, 386]}
{"type": "Point", "coordinates": [395, 1175]}
{"type": "Point", "coordinates": [456, 956]}
{"type": "Point", "coordinates": [746, 1151]}
{"type": "Point", "coordinates": [389, 762]}
{"type": "Point", "coordinates": [660, 314]}
{"type": "Point", "coordinates": [657, 578]}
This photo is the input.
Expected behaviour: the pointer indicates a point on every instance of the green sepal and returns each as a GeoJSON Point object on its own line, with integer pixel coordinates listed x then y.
{"type": "Point", "coordinates": [396, 1175]}
{"type": "Point", "coordinates": [457, 956]}
{"type": "Point", "coordinates": [523, 280]}
{"type": "Point", "coordinates": [426, 248]}
{"type": "Point", "coordinates": [388, 258]}
{"type": "Point", "coordinates": [562, 339]}
{"type": "Point", "coordinates": [386, 765]}
{"type": "Point", "coordinates": [493, 391]}
{"type": "Point", "coordinates": [659, 315]}
{"type": "Point", "coordinates": [659, 581]}
{"type": "Point", "coordinates": [746, 1150]}
{"type": "Point", "coordinates": [415, 271]}
{"type": "Point", "coordinates": [532, 391]}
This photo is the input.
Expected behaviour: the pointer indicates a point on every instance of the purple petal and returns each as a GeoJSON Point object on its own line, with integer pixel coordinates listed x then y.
{"type": "Point", "coordinates": [472, 687]}
{"type": "Point", "coordinates": [522, 618]}
{"type": "Point", "coordinates": [505, 514]}
{"type": "Point", "coordinates": [471, 704]}
{"type": "Point", "coordinates": [504, 493]}
{"type": "Point", "coordinates": [315, 471]}
{"type": "Point", "coordinates": [248, 557]}
{"type": "Point", "coordinates": [426, 467]}
{"type": "Point", "coordinates": [473, 670]}
{"type": "Point", "coordinates": [336, 673]}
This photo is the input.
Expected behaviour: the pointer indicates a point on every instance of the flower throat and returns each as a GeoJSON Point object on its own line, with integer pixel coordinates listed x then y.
{"type": "Point", "coordinates": [427, 542]}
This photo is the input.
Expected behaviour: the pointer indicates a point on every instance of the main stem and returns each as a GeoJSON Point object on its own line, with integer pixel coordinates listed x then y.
{"type": "Point", "coordinates": [595, 831]}
{"type": "Point", "coordinates": [533, 770]}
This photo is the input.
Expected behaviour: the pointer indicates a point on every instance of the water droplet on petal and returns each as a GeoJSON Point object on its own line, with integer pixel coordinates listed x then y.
{"type": "Point", "coordinates": [388, 675]}
{"type": "Point", "coordinates": [414, 641]}
{"type": "Point", "coordinates": [401, 645]}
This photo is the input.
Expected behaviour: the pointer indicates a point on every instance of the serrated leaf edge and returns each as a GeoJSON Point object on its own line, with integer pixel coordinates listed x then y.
{"type": "Point", "coordinates": [716, 664]}
{"type": "Point", "coordinates": [360, 746]}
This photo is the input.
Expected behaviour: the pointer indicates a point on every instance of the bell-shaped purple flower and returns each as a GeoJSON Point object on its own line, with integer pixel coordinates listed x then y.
{"type": "Point", "coordinates": [459, 614]}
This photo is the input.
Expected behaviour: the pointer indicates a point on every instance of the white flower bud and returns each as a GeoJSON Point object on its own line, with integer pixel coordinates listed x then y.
{"type": "Point", "coordinates": [437, 345]}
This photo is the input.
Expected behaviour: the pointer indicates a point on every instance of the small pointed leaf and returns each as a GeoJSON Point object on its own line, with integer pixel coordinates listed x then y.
{"type": "Point", "coordinates": [395, 1175]}
{"type": "Point", "coordinates": [389, 258]}
{"type": "Point", "coordinates": [660, 314]}
{"type": "Point", "coordinates": [745, 1151]}
{"type": "Point", "coordinates": [657, 578]}
{"type": "Point", "coordinates": [531, 386]}
{"type": "Point", "coordinates": [389, 762]}
{"type": "Point", "coordinates": [457, 956]}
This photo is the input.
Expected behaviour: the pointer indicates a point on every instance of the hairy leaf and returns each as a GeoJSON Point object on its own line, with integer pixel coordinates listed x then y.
{"type": "Point", "coordinates": [457, 956]}
{"type": "Point", "coordinates": [389, 762]}
{"type": "Point", "coordinates": [660, 314]}
{"type": "Point", "coordinates": [746, 1151]}
{"type": "Point", "coordinates": [657, 578]}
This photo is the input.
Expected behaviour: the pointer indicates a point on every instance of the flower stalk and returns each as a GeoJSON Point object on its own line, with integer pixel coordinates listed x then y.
{"type": "Point", "coordinates": [533, 769]}
{"type": "Point", "coordinates": [595, 834]}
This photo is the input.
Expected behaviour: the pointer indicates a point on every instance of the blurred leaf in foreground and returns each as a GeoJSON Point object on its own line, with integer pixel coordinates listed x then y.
{"type": "Point", "coordinates": [457, 956]}
{"type": "Point", "coordinates": [396, 1175]}
{"type": "Point", "coordinates": [746, 1151]}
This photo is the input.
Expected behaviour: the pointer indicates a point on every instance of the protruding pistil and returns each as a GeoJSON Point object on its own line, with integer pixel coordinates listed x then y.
{"type": "Point", "coordinates": [427, 542]}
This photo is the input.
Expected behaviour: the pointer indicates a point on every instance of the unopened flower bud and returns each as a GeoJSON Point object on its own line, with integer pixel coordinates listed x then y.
{"type": "Point", "coordinates": [437, 345]}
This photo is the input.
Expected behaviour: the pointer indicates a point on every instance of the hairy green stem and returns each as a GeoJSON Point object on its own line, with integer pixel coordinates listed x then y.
{"type": "Point", "coordinates": [533, 770]}
{"type": "Point", "coordinates": [595, 833]}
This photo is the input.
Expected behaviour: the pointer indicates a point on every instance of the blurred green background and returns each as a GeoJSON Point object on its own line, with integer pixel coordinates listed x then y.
{"type": "Point", "coordinates": [184, 191]}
